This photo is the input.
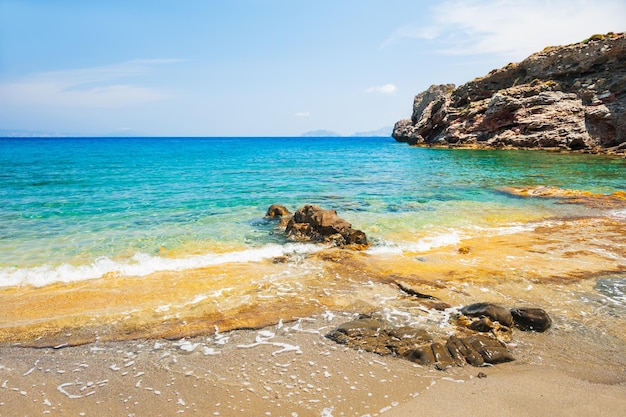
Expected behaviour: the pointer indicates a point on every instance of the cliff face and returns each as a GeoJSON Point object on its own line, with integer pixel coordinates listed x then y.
{"type": "Point", "coordinates": [569, 97]}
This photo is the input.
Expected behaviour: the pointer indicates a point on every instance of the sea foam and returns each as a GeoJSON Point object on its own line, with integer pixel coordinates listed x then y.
{"type": "Point", "coordinates": [446, 238]}
{"type": "Point", "coordinates": [421, 245]}
{"type": "Point", "coordinates": [142, 264]}
{"type": "Point", "coordinates": [619, 214]}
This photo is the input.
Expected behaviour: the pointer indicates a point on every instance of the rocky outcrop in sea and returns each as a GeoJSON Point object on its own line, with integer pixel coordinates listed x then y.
{"type": "Point", "coordinates": [312, 223]}
{"type": "Point", "coordinates": [566, 97]}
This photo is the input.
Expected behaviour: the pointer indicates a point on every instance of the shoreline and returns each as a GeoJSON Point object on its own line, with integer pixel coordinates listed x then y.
{"type": "Point", "coordinates": [293, 370]}
{"type": "Point", "coordinates": [529, 263]}
{"type": "Point", "coordinates": [616, 151]}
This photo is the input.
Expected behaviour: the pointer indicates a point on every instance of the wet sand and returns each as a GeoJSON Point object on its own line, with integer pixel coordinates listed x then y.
{"type": "Point", "coordinates": [292, 370]}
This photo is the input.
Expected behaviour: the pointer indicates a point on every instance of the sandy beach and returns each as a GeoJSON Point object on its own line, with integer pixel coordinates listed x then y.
{"type": "Point", "coordinates": [293, 370]}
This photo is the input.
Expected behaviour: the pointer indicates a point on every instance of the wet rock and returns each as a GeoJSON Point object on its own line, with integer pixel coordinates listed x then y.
{"type": "Point", "coordinates": [455, 346]}
{"type": "Point", "coordinates": [464, 250]}
{"type": "Point", "coordinates": [405, 288]}
{"type": "Point", "coordinates": [471, 355]}
{"type": "Point", "coordinates": [422, 355]}
{"type": "Point", "coordinates": [495, 355]}
{"type": "Point", "coordinates": [492, 311]}
{"type": "Point", "coordinates": [361, 327]}
{"type": "Point", "coordinates": [411, 334]}
{"type": "Point", "coordinates": [530, 318]}
{"type": "Point", "coordinates": [363, 333]}
{"type": "Point", "coordinates": [436, 305]}
{"type": "Point", "coordinates": [484, 324]}
{"type": "Point", "coordinates": [416, 345]}
{"type": "Point", "coordinates": [443, 358]}
{"type": "Point", "coordinates": [277, 211]}
{"type": "Point", "coordinates": [312, 223]}
{"type": "Point", "coordinates": [491, 350]}
{"type": "Point", "coordinates": [280, 212]}
{"type": "Point", "coordinates": [378, 337]}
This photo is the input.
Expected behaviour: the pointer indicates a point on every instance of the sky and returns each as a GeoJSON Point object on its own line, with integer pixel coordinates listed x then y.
{"type": "Point", "coordinates": [260, 67]}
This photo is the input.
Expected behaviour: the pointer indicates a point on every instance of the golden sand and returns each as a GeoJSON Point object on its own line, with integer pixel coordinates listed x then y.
{"type": "Point", "coordinates": [175, 304]}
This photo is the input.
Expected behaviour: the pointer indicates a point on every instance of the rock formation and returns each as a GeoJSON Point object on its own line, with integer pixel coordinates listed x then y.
{"type": "Point", "coordinates": [568, 97]}
{"type": "Point", "coordinates": [483, 330]}
{"type": "Point", "coordinates": [313, 223]}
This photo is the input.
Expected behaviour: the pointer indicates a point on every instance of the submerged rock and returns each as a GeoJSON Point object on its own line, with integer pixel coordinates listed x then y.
{"type": "Point", "coordinates": [280, 212]}
{"type": "Point", "coordinates": [530, 318]}
{"type": "Point", "coordinates": [277, 211]}
{"type": "Point", "coordinates": [377, 336]}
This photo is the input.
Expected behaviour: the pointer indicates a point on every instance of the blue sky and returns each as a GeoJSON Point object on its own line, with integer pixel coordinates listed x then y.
{"type": "Point", "coordinates": [260, 67]}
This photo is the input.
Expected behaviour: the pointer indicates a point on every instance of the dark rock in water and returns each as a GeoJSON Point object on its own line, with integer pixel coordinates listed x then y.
{"type": "Point", "coordinates": [363, 333]}
{"type": "Point", "coordinates": [472, 356]}
{"type": "Point", "coordinates": [378, 337]}
{"type": "Point", "coordinates": [280, 212]}
{"type": "Point", "coordinates": [277, 211]}
{"type": "Point", "coordinates": [417, 345]}
{"type": "Point", "coordinates": [494, 355]}
{"type": "Point", "coordinates": [361, 327]}
{"type": "Point", "coordinates": [530, 318]}
{"type": "Point", "coordinates": [484, 324]}
{"type": "Point", "coordinates": [492, 311]}
{"type": "Point", "coordinates": [491, 351]}
{"type": "Point", "coordinates": [455, 347]}
{"type": "Point", "coordinates": [443, 358]}
{"type": "Point", "coordinates": [422, 355]}
{"type": "Point", "coordinates": [410, 291]}
{"type": "Point", "coordinates": [411, 334]}
{"type": "Point", "coordinates": [312, 223]}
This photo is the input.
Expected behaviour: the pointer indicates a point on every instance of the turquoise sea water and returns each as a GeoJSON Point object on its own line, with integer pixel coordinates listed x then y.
{"type": "Point", "coordinates": [77, 208]}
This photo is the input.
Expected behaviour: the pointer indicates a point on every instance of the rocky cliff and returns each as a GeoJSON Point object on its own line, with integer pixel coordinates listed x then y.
{"type": "Point", "coordinates": [567, 97]}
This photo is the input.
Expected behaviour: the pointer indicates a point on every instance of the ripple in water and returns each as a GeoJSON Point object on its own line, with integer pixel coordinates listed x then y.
{"type": "Point", "coordinates": [613, 288]}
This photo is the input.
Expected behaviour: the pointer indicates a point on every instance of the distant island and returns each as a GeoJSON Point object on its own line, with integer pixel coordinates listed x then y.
{"type": "Point", "coordinates": [23, 133]}
{"type": "Point", "coordinates": [382, 132]}
{"type": "Point", "coordinates": [320, 133]}
{"type": "Point", "coordinates": [569, 97]}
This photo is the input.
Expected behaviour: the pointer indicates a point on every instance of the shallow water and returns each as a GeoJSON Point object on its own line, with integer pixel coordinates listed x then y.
{"type": "Point", "coordinates": [155, 237]}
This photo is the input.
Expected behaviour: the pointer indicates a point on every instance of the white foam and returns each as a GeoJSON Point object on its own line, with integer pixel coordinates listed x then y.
{"type": "Point", "coordinates": [422, 245]}
{"type": "Point", "coordinates": [436, 241]}
{"type": "Point", "coordinates": [619, 214]}
{"type": "Point", "coordinates": [440, 239]}
{"type": "Point", "coordinates": [142, 264]}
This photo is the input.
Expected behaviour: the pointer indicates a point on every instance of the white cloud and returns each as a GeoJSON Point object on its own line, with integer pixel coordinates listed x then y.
{"type": "Point", "coordinates": [514, 28]}
{"type": "Point", "coordinates": [98, 87]}
{"type": "Point", "coordinates": [303, 114]}
{"type": "Point", "coordinates": [383, 89]}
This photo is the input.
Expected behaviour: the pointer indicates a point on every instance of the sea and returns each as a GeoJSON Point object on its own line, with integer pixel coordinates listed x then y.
{"type": "Point", "coordinates": [119, 238]}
